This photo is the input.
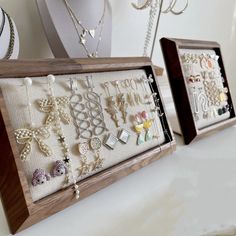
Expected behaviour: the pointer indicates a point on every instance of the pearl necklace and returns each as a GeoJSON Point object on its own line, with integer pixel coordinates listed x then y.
{"type": "Point", "coordinates": [86, 31]}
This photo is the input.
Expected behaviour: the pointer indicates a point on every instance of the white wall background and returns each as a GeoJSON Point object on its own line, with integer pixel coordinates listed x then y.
{"type": "Point", "coordinates": [186, 193]}
{"type": "Point", "coordinates": [205, 19]}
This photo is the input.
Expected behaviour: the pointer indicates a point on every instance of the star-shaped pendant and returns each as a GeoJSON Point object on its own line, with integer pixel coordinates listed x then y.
{"type": "Point", "coordinates": [61, 139]}
{"type": "Point", "coordinates": [66, 160]}
{"type": "Point", "coordinates": [82, 40]}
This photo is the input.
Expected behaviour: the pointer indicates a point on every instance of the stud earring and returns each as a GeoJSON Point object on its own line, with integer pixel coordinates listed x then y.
{"type": "Point", "coordinates": [59, 169]}
{"type": "Point", "coordinates": [26, 136]}
{"type": "Point", "coordinates": [123, 136]}
{"type": "Point", "coordinates": [95, 145]}
{"type": "Point", "coordinates": [110, 141]}
{"type": "Point", "coordinates": [40, 177]}
{"type": "Point", "coordinates": [84, 168]}
{"type": "Point", "coordinates": [138, 127]}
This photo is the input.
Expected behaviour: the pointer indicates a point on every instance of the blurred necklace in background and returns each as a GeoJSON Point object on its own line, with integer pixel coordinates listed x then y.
{"type": "Point", "coordinates": [83, 32]}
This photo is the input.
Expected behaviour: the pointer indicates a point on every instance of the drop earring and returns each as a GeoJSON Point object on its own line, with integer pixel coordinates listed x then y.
{"type": "Point", "coordinates": [121, 103]}
{"type": "Point", "coordinates": [25, 136]}
{"type": "Point", "coordinates": [147, 124]}
{"type": "Point", "coordinates": [138, 127]}
{"type": "Point", "coordinates": [93, 104]}
{"type": "Point", "coordinates": [79, 114]}
{"type": "Point", "coordinates": [111, 108]}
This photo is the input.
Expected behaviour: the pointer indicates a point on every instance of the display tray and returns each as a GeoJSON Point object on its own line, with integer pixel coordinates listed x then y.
{"type": "Point", "coordinates": [70, 127]}
{"type": "Point", "coordinates": [199, 87]}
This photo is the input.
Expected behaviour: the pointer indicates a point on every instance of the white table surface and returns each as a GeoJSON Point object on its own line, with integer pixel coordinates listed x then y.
{"type": "Point", "coordinates": [190, 192]}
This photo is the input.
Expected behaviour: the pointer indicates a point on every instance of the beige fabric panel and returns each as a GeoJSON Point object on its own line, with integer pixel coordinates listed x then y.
{"type": "Point", "coordinates": [15, 97]}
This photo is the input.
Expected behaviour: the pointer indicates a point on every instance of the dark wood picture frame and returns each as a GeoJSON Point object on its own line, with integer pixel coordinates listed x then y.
{"type": "Point", "coordinates": [21, 211]}
{"type": "Point", "coordinates": [189, 131]}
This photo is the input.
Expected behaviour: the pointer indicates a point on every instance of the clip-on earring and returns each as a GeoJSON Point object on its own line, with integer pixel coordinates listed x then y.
{"type": "Point", "coordinates": [138, 127]}
{"type": "Point", "coordinates": [25, 136]}
{"type": "Point", "coordinates": [147, 124]}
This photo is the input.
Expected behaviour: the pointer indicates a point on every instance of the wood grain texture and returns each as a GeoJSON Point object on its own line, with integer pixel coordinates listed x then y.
{"type": "Point", "coordinates": [20, 210]}
{"type": "Point", "coordinates": [170, 49]}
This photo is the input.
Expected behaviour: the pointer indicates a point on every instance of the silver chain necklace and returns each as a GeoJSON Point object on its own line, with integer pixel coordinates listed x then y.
{"type": "Point", "coordinates": [152, 14]}
{"type": "Point", "coordinates": [86, 31]}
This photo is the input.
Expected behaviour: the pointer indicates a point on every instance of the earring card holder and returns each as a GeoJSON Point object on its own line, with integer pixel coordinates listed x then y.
{"type": "Point", "coordinates": [199, 87]}
{"type": "Point", "coordinates": [26, 205]}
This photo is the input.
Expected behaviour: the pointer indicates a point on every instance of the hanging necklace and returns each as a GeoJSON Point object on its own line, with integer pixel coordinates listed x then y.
{"type": "Point", "coordinates": [3, 22]}
{"type": "Point", "coordinates": [12, 34]}
{"type": "Point", "coordinates": [152, 15]}
{"type": "Point", "coordinates": [86, 31]}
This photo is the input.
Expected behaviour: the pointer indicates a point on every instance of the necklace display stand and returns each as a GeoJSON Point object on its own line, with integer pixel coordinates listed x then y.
{"type": "Point", "coordinates": [61, 32]}
{"type": "Point", "coordinates": [5, 39]}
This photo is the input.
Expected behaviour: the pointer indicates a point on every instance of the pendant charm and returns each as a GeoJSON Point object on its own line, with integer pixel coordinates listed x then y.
{"type": "Point", "coordinates": [92, 33]}
{"type": "Point", "coordinates": [82, 40]}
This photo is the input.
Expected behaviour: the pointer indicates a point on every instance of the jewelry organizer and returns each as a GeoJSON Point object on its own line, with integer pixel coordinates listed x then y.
{"type": "Point", "coordinates": [199, 86]}
{"type": "Point", "coordinates": [72, 127]}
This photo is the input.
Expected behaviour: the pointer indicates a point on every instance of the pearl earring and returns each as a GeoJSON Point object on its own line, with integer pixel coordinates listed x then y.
{"type": "Point", "coordinates": [25, 136]}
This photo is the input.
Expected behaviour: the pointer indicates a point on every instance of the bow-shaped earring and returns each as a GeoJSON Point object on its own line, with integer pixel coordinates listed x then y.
{"type": "Point", "coordinates": [25, 136]}
{"type": "Point", "coordinates": [54, 106]}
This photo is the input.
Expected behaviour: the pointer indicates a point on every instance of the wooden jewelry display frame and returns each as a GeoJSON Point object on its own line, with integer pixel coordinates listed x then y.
{"type": "Point", "coordinates": [21, 211]}
{"type": "Point", "coordinates": [187, 127]}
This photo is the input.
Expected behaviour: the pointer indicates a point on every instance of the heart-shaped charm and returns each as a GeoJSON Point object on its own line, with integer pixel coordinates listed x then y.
{"type": "Point", "coordinates": [92, 33]}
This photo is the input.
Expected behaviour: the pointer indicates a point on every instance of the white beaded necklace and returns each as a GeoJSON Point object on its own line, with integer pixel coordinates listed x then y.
{"type": "Point", "coordinates": [86, 31]}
